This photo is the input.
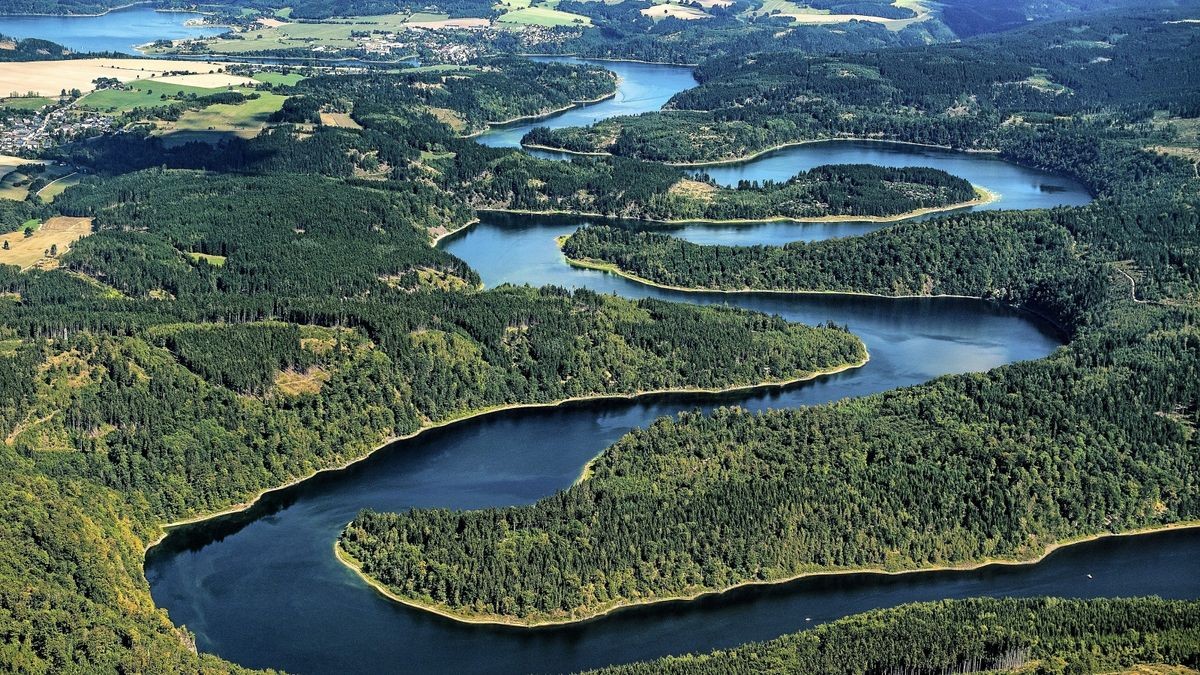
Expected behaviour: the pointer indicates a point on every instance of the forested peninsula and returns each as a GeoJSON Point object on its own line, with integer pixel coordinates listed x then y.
{"type": "Point", "coordinates": [243, 315]}
{"type": "Point", "coordinates": [1037, 635]}
{"type": "Point", "coordinates": [1097, 438]}
{"type": "Point", "coordinates": [972, 96]}
{"type": "Point", "coordinates": [237, 316]}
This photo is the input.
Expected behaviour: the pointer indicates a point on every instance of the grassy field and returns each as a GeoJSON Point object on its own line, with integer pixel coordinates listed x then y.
{"type": "Point", "coordinates": [214, 260]}
{"type": "Point", "coordinates": [279, 78]}
{"type": "Point", "coordinates": [25, 102]}
{"type": "Point", "coordinates": [801, 13]}
{"type": "Point", "coordinates": [144, 94]}
{"type": "Point", "coordinates": [243, 119]}
{"type": "Point", "coordinates": [49, 78]}
{"type": "Point", "coordinates": [12, 182]}
{"type": "Point", "coordinates": [59, 185]}
{"type": "Point", "coordinates": [544, 16]}
{"type": "Point", "coordinates": [26, 252]}
{"type": "Point", "coordinates": [664, 10]}
{"type": "Point", "coordinates": [331, 33]}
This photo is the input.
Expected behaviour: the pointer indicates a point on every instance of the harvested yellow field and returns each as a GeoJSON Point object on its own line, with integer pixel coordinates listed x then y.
{"type": "Point", "coordinates": [677, 11]}
{"type": "Point", "coordinates": [32, 251]}
{"type": "Point", "coordinates": [48, 78]}
{"type": "Point", "coordinates": [331, 119]}
{"type": "Point", "coordinates": [210, 80]}
{"type": "Point", "coordinates": [272, 23]}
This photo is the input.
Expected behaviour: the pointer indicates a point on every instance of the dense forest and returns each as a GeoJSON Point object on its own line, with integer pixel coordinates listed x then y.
{"type": "Point", "coordinates": [1096, 438]}
{"type": "Point", "coordinates": [198, 360]}
{"type": "Point", "coordinates": [246, 313]}
{"type": "Point", "coordinates": [971, 95]}
{"type": "Point", "coordinates": [467, 98]}
{"type": "Point", "coordinates": [624, 188]}
{"type": "Point", "coordinates": [30, 49]}
{"type": "Point", "coordinates": [1042, 636]}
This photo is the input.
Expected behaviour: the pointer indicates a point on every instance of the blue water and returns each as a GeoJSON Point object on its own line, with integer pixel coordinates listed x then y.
{"type": "Point", "coordinates": [263, 588]}
{"type": "Point", "coordinates": [117, 31]}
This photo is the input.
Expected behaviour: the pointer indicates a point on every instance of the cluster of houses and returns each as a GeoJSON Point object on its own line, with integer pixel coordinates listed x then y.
{"type": "Point", "coordinates": [30, 131]}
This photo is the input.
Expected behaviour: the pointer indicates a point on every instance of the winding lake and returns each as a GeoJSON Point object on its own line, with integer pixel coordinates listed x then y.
{"type": "Point", "coordinates": [263, 588]}
{"type": "Point", "coordinates": [117, 31]}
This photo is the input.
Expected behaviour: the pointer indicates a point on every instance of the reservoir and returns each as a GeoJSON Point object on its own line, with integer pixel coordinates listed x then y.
{"type": "Point", "coordinates": [117, 31]}
{"type": "Point", "coordinates": [263, 587]}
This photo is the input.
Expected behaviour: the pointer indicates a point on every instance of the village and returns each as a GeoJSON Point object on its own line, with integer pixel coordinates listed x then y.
{"type": "Point", "coordinates": [26, 132]}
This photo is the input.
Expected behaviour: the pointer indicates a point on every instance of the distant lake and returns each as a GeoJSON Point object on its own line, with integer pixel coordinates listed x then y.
{"type": "Point", "coordinates": [117, 31]}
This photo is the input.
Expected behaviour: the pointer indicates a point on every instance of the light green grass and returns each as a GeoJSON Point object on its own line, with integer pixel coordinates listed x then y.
{"type": "Point", "coordinates": [214, 260]}
{"type": "Point", "coordinates": [25, 102]}
{"type": "Point", "coordinates": [58, 186]}
{"type": "Point", "coordinates": [245, 118]}
{"type": "Point", "coordinates": [144, 94]}
{"type": "Point", "coordinates": [284, 12]}
{"type": "Point", "coordinates": [333, 33]}
{"type": "Point", "coordinates": [279, 78]}
{"type": "Point", "coordinates": [544, 16]}
{"type": "Point", "coordinates": [802, 13]}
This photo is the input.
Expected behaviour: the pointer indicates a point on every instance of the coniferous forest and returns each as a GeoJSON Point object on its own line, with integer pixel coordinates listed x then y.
{"type": "Point", "coordinates": [778, 492]}
{"type": "Point", "coordinates": [245, 313]}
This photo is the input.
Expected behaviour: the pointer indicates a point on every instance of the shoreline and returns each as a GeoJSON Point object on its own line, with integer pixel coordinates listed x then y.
{"type": "Point", "coordinates": [602, 266]}
{"type": "Point", "coordinates": [463, 417]}
{"type": "Point", "coordinates": [612, 59]}
{"type": "Point", "coordinates": [543, 115]}
{"type": "Point", "coordinates": [502, 620]}
{"type": "Point", "coordinates": [985, 196]}
{"type": "Point", "coordinates": [438, 238]}
{"type": "Point", "coordinates": [610, 268]}
{"type": "Point", "coordinates": [585, 472]}
{"type": "Point", "coordinates": [110, 10]}
{"type": "Point", "coordinates": [743, 159]}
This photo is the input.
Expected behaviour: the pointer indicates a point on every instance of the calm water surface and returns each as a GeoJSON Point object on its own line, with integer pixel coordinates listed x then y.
{"type": "Point", "coordinates": [118, 31]}
{"type": "Point", "coordinates": [263, 588]}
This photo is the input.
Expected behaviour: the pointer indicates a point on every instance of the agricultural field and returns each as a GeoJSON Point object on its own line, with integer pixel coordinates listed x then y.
{"type": "Point", "coordinates": [49, 78]}
{"type": "Point", "coordinates": [332, 33]}
{"type": "Point", "coordinates": [143, 94]}
{"type": "Point", "coordinates": [801, 13]}
{"type": "Point", "coordinates": [28, 103]}
{"type": "Point", "coordinates": [210, 80]}
{"type": "Point", "coordinates": [244, 119]}
{"type": "Point", "coordinates": [684, 12]}
{"type": "Point", "coordinates": [279, 79]}
{"type": "Point", "coordinates": [57, 186]}
{"type": "Point", "coordinates": [14, 183]}
{"type": "Point", "coordinates": [544, 16]}
{"type": "Point", "coordinates": [58, 232]}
